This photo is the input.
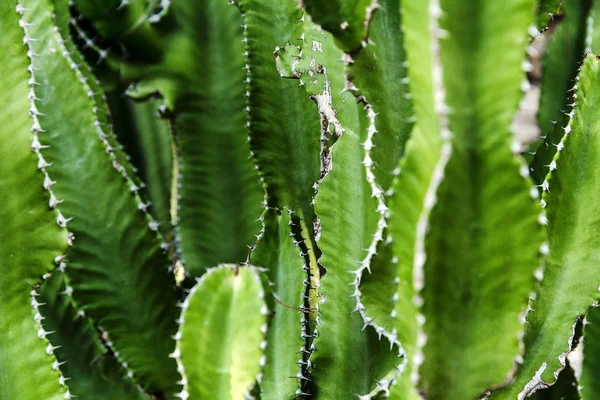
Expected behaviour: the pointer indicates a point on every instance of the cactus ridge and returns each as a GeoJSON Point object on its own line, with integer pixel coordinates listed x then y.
{"type": "Point", "coordinates": [24, 341]}
{"type": "Point", "coordinates": [543, 362]}
{"type": "Point", "coordinates": [43, 30]}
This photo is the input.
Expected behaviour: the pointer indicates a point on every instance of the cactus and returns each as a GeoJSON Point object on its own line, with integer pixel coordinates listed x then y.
{"type": "Point", "coordinates": [297, 199]}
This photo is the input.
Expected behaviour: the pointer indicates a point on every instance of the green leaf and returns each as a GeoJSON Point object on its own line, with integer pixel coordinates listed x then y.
{"type": "Point", "coordinates": [348, 20]}
{"type": "Point", "coordinates": [30, 238]}
{"type": "Point", "coordinates": [221, 334]}
{"type": "Point", "coordinates": [570, 283]}
{"type": "Point", "coordinates": [90, 367]}
{"type": "Point", "coordinates": [116, 267]}
{"type": "Point", "coordinates": [277, 252]}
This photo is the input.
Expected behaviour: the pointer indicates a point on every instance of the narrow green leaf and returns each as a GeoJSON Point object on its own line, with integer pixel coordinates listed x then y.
{"type": "Point", "coordinates": [570, 283]}
{"type": "Point", "coordinates": [90, 367]}
{"type": "Point", "coordinates": [348, 20]}
{"type": "Point", "coordinates": [221, 334]}
{"type": "Point", "coordinates": [116, 267]}
{"type": "Point", "coordinates": [29, 236]}
{"type": "Point", "coordinates": [278, 253]}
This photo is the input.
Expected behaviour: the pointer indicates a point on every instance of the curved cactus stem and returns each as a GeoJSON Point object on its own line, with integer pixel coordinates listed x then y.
{"type": "Point", "coordinates": [570, 283]}
{"type": "Point", "coordinates": [408, 208]}
{"type": "Point", "coordinates": [542, 159]}
{"type": "Point", "coordinates": [453, 289]}
{"type": "Point", "coordinates": [378, 74]}
{"type": "Point", "coordinates": [284, 133]}
{"type": "Point", "coordinates": [91, 368]}
{"type": "Point", "coordinates": [147, 139]}
{"type": "Point", "coordinates": [562, 57]}
{"type": "Point", "coordinates": [62, 16]}
{"type": "Point", "coordinates": [285, 369]}
{"type": "Point", "coordinates": [348, 20]}
{"type": "Point", "coordinates": [125, 21]}
{"type": "Point", "coordinates": [116, 266]}
{"type": "Point", "coordinates": [379, 287]}
{"type": "Point", "coordinates": [344, 331]}
{"type": "Point", "coordinates": [31, 241]}
{"type": "Point", "coordinates": [219, 192]}
{"type": "Point", "coordinates": [221, 335]}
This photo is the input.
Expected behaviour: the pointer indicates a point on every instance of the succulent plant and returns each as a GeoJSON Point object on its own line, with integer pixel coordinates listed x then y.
{"type": "Point", "coordinates": [277, 199]}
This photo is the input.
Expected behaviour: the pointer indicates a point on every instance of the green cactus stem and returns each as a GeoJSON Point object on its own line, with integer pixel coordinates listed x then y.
{"type": "Point", "coordinates": [221, 334]}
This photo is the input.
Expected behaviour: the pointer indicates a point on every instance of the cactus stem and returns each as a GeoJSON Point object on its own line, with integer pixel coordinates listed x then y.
{"type": "Point", "coordinates": [88, 41]}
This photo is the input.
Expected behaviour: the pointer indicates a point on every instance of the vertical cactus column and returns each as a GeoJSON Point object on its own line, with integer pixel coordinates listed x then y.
{"type": "Point", "coordinates": [285, 371]}
{"type": "Point", "coordinates": [126, 291]}
{"type": "Point", "coordinates": [463, 290]}
{"type": "Point", "coordinates": [32, 236]}
{"type": "Point", "coordinates": [221, 335]}
{"type": "Point", "coordinates": [348, 185]}
{"type": "Point", "coordinates": [570, 284]}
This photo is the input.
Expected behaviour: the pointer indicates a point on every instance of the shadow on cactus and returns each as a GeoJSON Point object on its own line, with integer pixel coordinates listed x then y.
{"type": "Point", "coordinates": [259, 199]}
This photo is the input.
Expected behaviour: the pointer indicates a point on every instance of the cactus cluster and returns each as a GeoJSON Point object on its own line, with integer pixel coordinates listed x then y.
{"type": "Point", "coordinates": [274, 199]}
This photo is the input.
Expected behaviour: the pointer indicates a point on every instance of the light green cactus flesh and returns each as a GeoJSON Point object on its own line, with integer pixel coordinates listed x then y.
{"type": "Point", "coordinates": [278, 251]}
{"type": "Point", "coordinates": [31, 239]}
{"type": "Point", "coordinates": [221, 335]}
{"type": "Point", "coordinates": [462, 331]}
